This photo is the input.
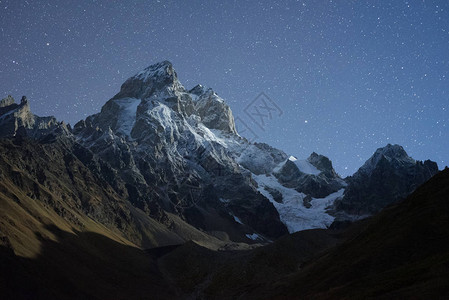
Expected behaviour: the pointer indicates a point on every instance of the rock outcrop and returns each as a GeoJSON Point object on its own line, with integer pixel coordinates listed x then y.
{"type": "Point", "coordinates": [17, 120]}
{"type": "Point", "coordinates": [314, 176]}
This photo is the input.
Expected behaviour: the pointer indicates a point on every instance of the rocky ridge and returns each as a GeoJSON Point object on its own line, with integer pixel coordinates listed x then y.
{"type": "Point", "coordinates": [174, 156]}
{"type": "Point", "coordinates": [17, 120]}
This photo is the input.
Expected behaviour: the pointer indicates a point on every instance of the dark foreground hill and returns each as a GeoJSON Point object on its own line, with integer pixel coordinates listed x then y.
{"type": "Point", "coordinates": [81, 265]}
{"type": "Point", "coordinates": [402, 253]}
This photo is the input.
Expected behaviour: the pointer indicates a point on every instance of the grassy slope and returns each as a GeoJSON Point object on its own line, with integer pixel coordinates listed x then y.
{"type": "Point", "coordinates": [81, 265]}
{"type": "Point", "coordinates": [51, 245]}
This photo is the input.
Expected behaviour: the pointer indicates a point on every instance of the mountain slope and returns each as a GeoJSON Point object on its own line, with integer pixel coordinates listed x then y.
{"type": "Point", "coordinates": [81, 265]}
{"type": "Point", "coordinates": [65, 234]}
{"type": "Point", "coordinates": [45, 184]}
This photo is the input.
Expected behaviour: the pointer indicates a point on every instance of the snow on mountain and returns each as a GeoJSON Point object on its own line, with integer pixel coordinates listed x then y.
{"type": "Point", "coordinates": [158, 134]}
{"type": "Point", "coordinates": [314, 177]}
{"type": "Point", "coordinates": [292, 210]}
{"type": "Point", "coordinates": [260, 158]}
{"type": "Point", "coordinates": [237, 219]}
{"type": "Point", "coordinates": [158, 70]}
{"type": "Point", "coordinates": [127, 114]}
{"type": "Point", "coordinates": [305, 166]}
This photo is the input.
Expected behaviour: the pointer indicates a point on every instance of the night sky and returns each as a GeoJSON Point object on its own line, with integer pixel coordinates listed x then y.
{"type": "Point", "coordinates": [347, 76]}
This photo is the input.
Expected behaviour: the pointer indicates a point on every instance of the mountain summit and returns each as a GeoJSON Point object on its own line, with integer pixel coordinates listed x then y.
{"type": "Point", "coordinates": [155, 79]}
{"type": "Point", "coordinates": [387, 177]}
{"type": "Point", "coordinates": [394, 154]}
{"type": "Point", "coordinates": [178, 150]}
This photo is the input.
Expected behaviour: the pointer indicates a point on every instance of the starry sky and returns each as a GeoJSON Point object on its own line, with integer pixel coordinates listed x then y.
{"type": "Point", "coordinates": [346, 77]}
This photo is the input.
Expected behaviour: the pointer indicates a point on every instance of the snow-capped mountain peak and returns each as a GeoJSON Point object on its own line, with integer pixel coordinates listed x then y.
{"type": "Point", "coordinates": [162, 69]}
{"type": "Point", "coordinates": [156, 133]}
{"type": "Point", "coordinates": [394, 154]}
{"type": "Point", "coordinates": [159, 79]}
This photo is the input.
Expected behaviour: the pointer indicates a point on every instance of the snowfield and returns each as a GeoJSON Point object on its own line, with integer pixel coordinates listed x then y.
{"type": "Point", "coordinates": [292, 211]}
{"type": "Point", "coordinates": [304, 166]}
{"type": "Point", "coordinates": [127, 114]}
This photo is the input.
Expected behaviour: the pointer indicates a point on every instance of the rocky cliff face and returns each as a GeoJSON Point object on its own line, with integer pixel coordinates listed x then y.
{"type": "Point", "coordinates": [387, 177]}
{"type": "Point", "coordinates": [17, 120]}
{"type": "Point", "coordinates": [212, 110]}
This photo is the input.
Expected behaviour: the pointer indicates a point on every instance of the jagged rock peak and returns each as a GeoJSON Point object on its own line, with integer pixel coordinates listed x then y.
{"type": "Point", "coordinates": [321, 162]}
{"type": "Point", "coordinates": [158, 78]}
{"type": "Point", "coordinates": [136, 110]}
{"type": "Point", "coordinates": [24, 100]}
{"type": "Point", "coordinates": [393, 151]}
{"type": "Point", "coordinates": [158, 70]}
{"type": "Point", "coordinates": [9, 104]}
{"type": "Point", "coordinates": [214, 112]}
{"type": "Point", "coordinates": [201, 92]}
{"type": "Point", "coordinates": [10, 109]}
{"type": "Point", "coordinates": [388, 176]}
{"type": "Point", "coordinates": [390, 153]}
{"type": "Point", "coordinates": [18, 120]}
{"type": "Point", "coordinates": [9, 100]}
